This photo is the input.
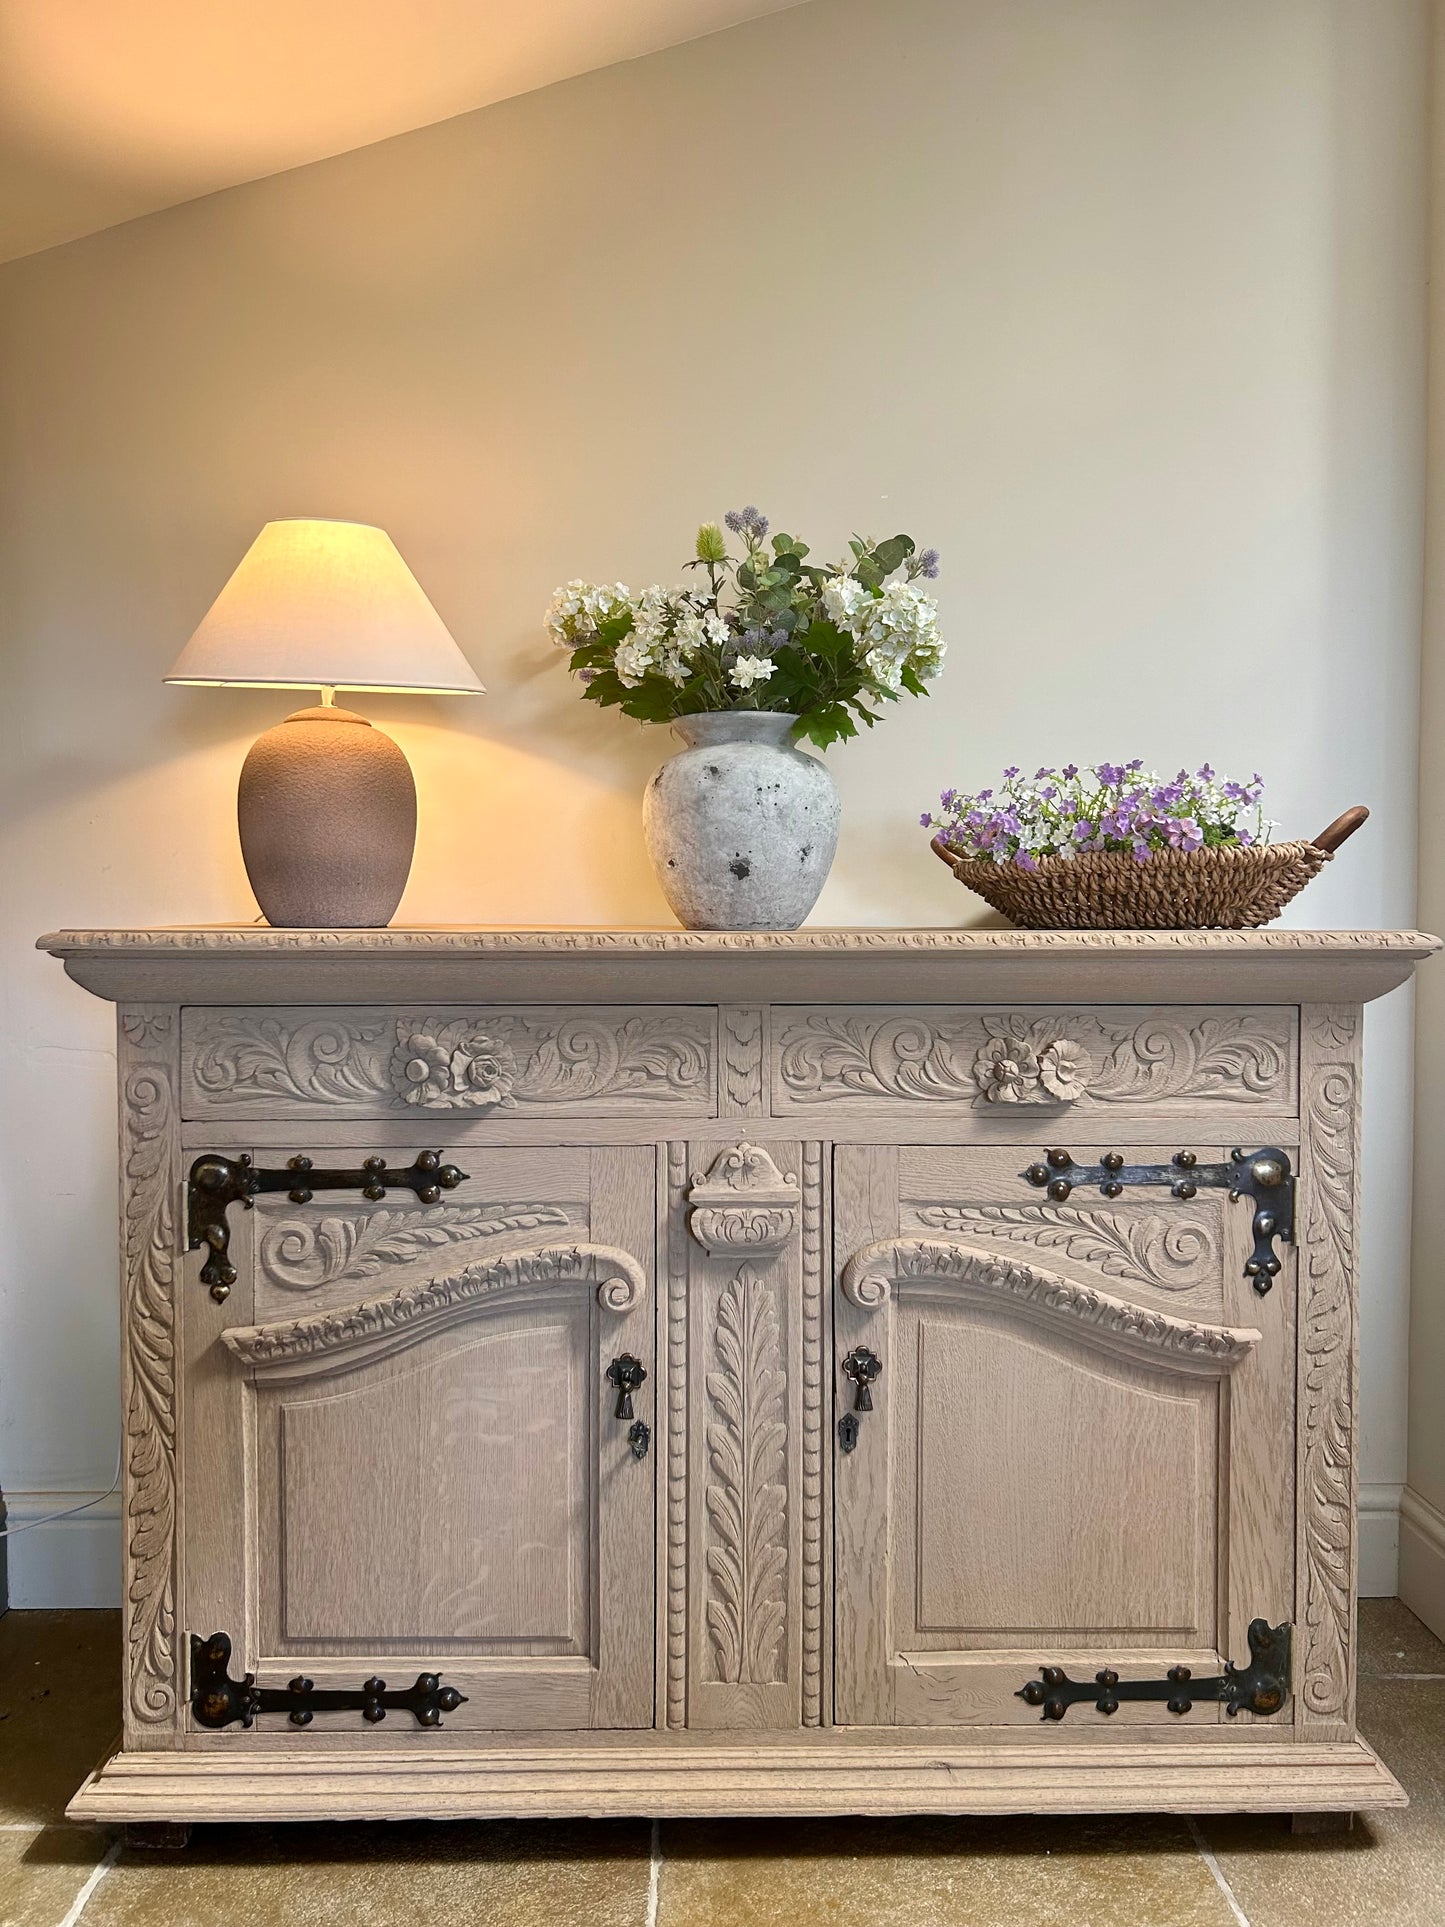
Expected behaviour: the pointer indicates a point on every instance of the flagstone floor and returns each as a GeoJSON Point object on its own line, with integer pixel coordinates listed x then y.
{"type": "Point", "coordinates": [59, 1687]}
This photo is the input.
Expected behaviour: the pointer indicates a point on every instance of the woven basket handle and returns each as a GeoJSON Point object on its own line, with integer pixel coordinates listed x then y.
{"type": "Point", "coordinates": [1342, 827]}
{"type": "Point", "coordinates": [941, 850]}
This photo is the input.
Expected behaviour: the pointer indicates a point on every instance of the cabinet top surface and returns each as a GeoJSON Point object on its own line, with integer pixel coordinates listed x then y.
{"type": "Point", "coordinates": [249, 963]}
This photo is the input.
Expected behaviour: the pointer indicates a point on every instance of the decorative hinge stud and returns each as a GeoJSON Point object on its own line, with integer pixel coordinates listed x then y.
{"type": "Point", "coordinates": [1264, 1175]}
{"type": "Point", "coordinates": [218, 1700]}
{"type": "Point", "coordinates": [217, 1182]}
{"type": "Point", "coordinates": [1261, 1687]}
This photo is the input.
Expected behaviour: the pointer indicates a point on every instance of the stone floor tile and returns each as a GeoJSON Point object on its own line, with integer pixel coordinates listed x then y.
{"type": "Point", "coordinates": [1389, 1871]}
{"type": "Point", "coordinates": [59, 1706]}
{"type": "Point", "coordinates": [1393, 1640]}
{"type": "Point", "coordinates": [413, 1874]}
{"type": "Point", "coordinates": [1129, 1872]}
{"type": "Point", "coordinates": [41, 1873]}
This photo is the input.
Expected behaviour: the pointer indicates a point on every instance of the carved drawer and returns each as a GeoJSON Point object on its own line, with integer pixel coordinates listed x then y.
{"type": "Point", "coordinates": [1007, 1064]}
{"type": "Point", "coordinates": [462, 1062]}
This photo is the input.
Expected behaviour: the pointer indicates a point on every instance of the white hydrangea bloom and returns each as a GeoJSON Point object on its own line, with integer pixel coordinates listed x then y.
{"type": "Point", "coordinates": [843, 597]}
{"type": "Point", "coordinates": [748, 670]}
{"type": "Point", "coordinates": [578, 608]}
{"type": "Point", "coordinates": [898, 628]}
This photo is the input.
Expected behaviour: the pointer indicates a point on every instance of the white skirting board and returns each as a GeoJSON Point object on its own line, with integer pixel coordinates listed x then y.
{"type": "Point", "coordinates": [1379, 1542]}
{"type": "Point", "coordinates": [70, 1562]}
{"type": "Point", "coordinates": [1422, 1560]}
{"type": "Point", "coordinates": [76, 1562]}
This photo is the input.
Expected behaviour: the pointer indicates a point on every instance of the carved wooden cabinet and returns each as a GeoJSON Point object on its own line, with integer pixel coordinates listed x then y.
{"type": "Point", "coordinates": [637, 1372]}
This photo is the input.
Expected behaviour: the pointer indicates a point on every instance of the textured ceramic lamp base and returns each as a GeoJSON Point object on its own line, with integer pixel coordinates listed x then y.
{"type": "Point", "coordinates": [327, 813]}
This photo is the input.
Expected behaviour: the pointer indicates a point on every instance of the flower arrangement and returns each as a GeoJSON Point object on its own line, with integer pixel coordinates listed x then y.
{"type": "Point", "coordinates": [1115, 807]}
{"type": "Point", "coordinates": [767, 630]}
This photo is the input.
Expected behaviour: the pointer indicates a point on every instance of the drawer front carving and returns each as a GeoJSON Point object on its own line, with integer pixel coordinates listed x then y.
{"type": "Point", "coordinates": [450, 1063]}
{"type": "Point", "coordinates": [996, 1062]}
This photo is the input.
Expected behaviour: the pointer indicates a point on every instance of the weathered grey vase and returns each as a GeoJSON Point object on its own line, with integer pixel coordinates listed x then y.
{"type": "Point", "coordinates": [742, 826]}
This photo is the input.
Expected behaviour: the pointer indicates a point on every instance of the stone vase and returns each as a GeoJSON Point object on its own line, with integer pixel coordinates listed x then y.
{"type": "Point", "coordinates": [742, 825]}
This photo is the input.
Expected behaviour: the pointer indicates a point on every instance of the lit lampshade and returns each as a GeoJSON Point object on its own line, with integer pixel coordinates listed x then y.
{"type": "Point", "coordinates": [326, 805]}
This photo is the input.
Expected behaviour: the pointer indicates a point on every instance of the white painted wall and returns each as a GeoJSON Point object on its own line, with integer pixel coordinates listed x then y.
{"type": "Point", "coordinates": [1422, 1526]}
{"type": "Point", "coordinates": [1118, 302]}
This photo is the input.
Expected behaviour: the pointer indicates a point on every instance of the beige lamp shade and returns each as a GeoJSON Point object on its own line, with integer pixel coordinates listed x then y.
{"type": "Point", "coordinates": [325, 605]}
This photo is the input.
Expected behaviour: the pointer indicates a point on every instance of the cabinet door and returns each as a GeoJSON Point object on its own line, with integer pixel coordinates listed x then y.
{"type": "Point", "coordinates": [1080, 1447]}
{"type": "Point", "coordinates": [402, 1453]}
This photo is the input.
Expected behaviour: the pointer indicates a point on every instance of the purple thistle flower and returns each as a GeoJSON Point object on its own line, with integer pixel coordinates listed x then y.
{"type": "Point", "coordinates": [927, 563]}
{"type": "Point", "coordinates": [736, 520]}
{"type": "Point", "coordinates": [584, 676]}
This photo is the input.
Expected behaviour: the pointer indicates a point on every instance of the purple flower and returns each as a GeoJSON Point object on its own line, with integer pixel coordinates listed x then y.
{"type": "Point", "coordinates": [927, 563]}
{"type": "Point", "coordinates": [1010, 774]}
{"type": "Point", "coordinates": [1070, 771]}
{"type": "Point", "coordinates": [926, 820]}
{"type": "Point", "coordinates": [1083, 830]}
{"type": "Point", "coordinates": [1025, 861]}
{"type": "Point", "coordinates": [585, 676]}
{"type": "Point", "coordinates": [1206, 774]}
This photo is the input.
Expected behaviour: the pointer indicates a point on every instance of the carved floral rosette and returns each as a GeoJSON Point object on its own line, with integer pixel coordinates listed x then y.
{"type": "Point", "coordinates": [745, 1203]}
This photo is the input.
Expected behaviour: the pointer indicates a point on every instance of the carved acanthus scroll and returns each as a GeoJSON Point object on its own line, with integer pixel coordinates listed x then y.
{"type": "Point", "coordinates": [1171, 1254]}
{"type": "Point", "coordinates": [344, 1336]}
{"type": "Point", "coordinates": [150, 1244]}
{"type": "Point", "coordinates": [745, 1203]}
{"type": "Point", "coordinates": [1327, 1267]}
{"type": "Point", "coordinates": [305, 1254]}
{"type": "Point", "coordinates": [746, 1494]}
{"type": "Point", "coordinates": [1046, 1299]}
{"type": "Point", "coordinates": [989, 1059]}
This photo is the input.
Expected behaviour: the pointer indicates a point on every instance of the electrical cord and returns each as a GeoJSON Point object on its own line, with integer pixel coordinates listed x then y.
{"type": "Point", "coordinates": [49, 1518]}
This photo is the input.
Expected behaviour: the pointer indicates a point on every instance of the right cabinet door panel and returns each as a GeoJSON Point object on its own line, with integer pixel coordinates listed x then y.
{"type": "Point", "coordinates": [1079, 1448]}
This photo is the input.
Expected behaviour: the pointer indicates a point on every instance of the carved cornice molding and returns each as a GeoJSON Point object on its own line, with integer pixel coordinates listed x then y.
{"type": "Point", "coordinates": [261, 942]}
{"type": "Point", "coordinates": [745, 1203]}
{"type": "Point", "coordinates": [325, 1341]}
{"type": "Point", "coordinates": [1045, 1299]}
{"type": "Point", "coordinates": [244, 965]}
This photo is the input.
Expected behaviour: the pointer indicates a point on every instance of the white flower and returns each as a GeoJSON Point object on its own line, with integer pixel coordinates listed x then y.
{"type": "Point", "coordinates": [578, 608]}
{"type": "Point", "coordinates": [748, 670]}
{"type": "Point", "coordinates": [900, 628]}
{"type": "Point", "coordinates": [843, 597]}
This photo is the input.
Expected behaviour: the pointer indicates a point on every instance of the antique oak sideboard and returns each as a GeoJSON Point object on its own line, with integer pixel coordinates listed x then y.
{"type": "Point", "coordinates": [635, 1372]}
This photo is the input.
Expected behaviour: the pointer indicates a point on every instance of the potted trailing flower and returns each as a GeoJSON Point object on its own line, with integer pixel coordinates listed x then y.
{"type": "Point", "coordinates": [1116, 848]}
{"type": "Point", "coordinates": [764, 651]}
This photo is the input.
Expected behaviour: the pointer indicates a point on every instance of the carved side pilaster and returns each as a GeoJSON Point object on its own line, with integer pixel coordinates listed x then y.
{"type": "Point", "coordinates": [676, 1436]}
{"type": "Point", "coordinates": [1327, 1377]}
{"type": "Point", "coordinates": [812, 1434]}
{"type": "Point", "coordinates": [743, 1049]}
{"type": "Point", "coordinates": [148, 1050]}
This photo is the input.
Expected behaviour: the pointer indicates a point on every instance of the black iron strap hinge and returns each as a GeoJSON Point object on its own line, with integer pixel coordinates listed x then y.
{"type": "Point", "coordinates": [217, 1182]}
{"type": "Point", "coordinates": [218, 1700]}
{"type": "Point", "coordinates": [1264, 1175]}
{"type": "Point", "coordinates": [1261, 1687]}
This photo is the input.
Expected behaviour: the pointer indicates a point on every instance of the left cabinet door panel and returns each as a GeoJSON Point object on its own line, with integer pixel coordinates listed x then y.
{"type": "Point", "coordinates": [401, 1453]}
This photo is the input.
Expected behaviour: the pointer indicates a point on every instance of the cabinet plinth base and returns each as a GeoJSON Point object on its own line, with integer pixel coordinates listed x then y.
{"type": "Point", "coordinates": [653, 1777]}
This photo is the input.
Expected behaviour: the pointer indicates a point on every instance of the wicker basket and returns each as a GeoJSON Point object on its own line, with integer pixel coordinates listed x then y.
{"type": "Point", "coordinates": [1219, 889]}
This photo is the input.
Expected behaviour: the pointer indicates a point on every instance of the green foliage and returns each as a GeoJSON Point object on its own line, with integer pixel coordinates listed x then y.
{"type": "Point", "coordinates": [771, 630]}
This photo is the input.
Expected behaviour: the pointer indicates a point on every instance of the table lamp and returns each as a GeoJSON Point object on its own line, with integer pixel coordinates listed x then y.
{"type": "Point", "coordinates": [326, 804]}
